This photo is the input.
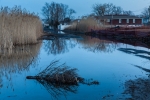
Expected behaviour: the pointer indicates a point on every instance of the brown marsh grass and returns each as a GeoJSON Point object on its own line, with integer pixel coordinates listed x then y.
{"type": "Point", "coordinates": [18, 27]}
{"type": "Point", "coordinates": [86, 24]}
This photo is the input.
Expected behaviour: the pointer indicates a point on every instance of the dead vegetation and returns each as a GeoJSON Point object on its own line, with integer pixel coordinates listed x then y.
{"type": "Point", "coordinates": [86, 24]}
{"type": "Point", "coordinates": [59, 74]}
{"type": "Point", "coordinates": [18, 27]}
{"type": "Point", "coordinates": [60, 79]}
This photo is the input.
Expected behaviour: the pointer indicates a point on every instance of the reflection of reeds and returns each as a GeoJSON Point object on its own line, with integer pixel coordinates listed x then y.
{"type": "Point", "coordinates": [19, 58]}
{"type": "Point", "coordinates": [97, 45]}
{"type": "Point", "coordinates": [86, 24]}
{"type": "Point", "coordinates": [18, 26]}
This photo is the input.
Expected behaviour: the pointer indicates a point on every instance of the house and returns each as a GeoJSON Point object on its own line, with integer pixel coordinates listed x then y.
{"type": "Point", "coordinates": [120, 20]}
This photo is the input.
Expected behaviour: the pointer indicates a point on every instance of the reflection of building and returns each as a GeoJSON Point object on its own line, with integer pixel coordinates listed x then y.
{"type": "Point", "coordinates": [120, 20]}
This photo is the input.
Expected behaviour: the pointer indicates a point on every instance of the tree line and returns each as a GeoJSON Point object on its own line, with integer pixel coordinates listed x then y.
{"type": "Point", "coordinates": [54, 13]}
{"type": "Point", "coordinates": [109, 9]}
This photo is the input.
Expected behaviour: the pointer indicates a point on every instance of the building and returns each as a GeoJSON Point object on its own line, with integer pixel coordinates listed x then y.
{"type": "Point", "coordinates": [121, 20]}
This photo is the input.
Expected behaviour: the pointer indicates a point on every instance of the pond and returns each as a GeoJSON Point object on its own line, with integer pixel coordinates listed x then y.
{"type": "Point", "coordinates": [119, 68]}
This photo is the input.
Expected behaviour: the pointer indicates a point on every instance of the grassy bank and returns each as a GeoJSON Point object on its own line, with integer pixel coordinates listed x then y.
{"type": "Point", "coordinates": [18, 27]}
{"type": "Point", "coordinates": [85, 25]}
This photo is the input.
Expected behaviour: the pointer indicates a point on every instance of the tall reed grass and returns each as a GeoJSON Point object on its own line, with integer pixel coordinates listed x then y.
{"type": "Point", "coordinates": [85, 25]}
{"type": "Point", "coordinates": [18, 27]}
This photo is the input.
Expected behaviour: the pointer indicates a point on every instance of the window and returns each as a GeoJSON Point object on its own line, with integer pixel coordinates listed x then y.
{"type": "Point", "coordinates": [133, 20]}
{"type": "Point", "coordinates": [127, 20]}
{"type": "Point", "coordinates": [119, 20]}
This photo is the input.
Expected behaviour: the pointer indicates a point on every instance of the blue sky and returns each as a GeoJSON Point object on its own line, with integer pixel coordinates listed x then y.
{"type": "Point", "coordinates": [82, 7]}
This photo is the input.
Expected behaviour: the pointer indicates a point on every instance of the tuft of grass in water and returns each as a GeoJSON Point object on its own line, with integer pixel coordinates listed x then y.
{"type": "Point", "coordinates": [86, 24]}
{"type": "Point", "coordinates": [18, 27]}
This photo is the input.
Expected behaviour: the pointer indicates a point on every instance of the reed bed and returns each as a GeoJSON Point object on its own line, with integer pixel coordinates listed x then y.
{"type": "Point", "coordinates": [85, 25]}
{"type": "Point", "coordinates": [18, 27]}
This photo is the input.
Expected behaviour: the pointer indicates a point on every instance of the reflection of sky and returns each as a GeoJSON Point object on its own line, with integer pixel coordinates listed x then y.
{"type": "Point", "coordinates": [82, 7]}
{"type": "Point", "coordinates": [110, 69]}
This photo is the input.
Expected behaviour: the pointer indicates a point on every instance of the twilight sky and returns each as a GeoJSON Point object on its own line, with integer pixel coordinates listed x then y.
{"type": "Point", "coordinates": [82, 7]}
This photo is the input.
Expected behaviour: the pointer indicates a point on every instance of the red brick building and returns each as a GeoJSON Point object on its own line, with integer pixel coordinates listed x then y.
{"type": "Point", "coordinates": [119, 20]}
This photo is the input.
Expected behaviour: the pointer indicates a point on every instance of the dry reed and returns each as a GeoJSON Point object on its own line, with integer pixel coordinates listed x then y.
{"type": "Point", "coordinates": [18, 27]}
{"type": "Point", "coordinates": [86, 24]}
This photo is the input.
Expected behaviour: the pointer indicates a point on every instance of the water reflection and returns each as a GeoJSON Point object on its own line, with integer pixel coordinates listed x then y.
{"type": "Point", "coordinates": [139, 53]}
{"type": "Point", "coordinates": [138, 89]}
{"type": "Point", "coordinates": [97, 45]}
{"type": "Point", "coordinates": [142, 68]}
{"type": "Point", "coordinates": [62, 45]}
{"type": "Point", "coordinates": [58, 46]}
{"type": "Point", "coordinates": [57, 90]}
{"type": "Point", "coordinates": [18, 59]}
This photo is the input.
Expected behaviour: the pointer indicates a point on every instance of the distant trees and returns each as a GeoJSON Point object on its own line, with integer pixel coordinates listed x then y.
{"type": "Point", "coordinates": [145, 12]}
{"type": "Point", "coordinates": [127, 13]}
{"type": "Point", "coordinates": [54, 13]}
{"type": "Point", "coordinates": [109, 9]}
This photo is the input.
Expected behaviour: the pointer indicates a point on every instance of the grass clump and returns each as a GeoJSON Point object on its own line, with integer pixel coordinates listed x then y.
{"type": "Point", "coordinates": [85, 24]}
{"type": "Point", "coordinates": [61, 74]}
{"type": "Point", "coordinates": [18, 27]}
{"type": "Point", "coordinates": [60, 79]}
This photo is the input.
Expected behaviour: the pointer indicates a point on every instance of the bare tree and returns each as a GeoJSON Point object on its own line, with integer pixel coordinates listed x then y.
{"type": "Point", "coordinates": [70, 12]}
{"type": "Point", "coordinates": [117, 10]}
{"type": "Point", "coordinates": [128, 12]}
{"type": "Point", "coordinates": [54, 13]}
{"type": "Point", "coordinates": [109, 9]}
{"type": "Point", "coordinates": [99, 9]}
{"type": "Point", "coordinates": [46, 11]}
{"type": "Point", "coordinates": [145, 12]}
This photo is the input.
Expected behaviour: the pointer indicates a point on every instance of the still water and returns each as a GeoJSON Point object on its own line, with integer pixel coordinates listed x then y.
{"type": "Point", "coordinates": [120, 69]}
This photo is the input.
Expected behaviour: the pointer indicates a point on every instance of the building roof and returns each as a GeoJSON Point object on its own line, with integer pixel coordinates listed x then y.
{"type": "Point", "coordinates": [118, 17]}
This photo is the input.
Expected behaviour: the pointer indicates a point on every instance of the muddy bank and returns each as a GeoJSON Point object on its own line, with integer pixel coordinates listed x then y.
{"type": "Point", "coordinates": [136, 37]}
